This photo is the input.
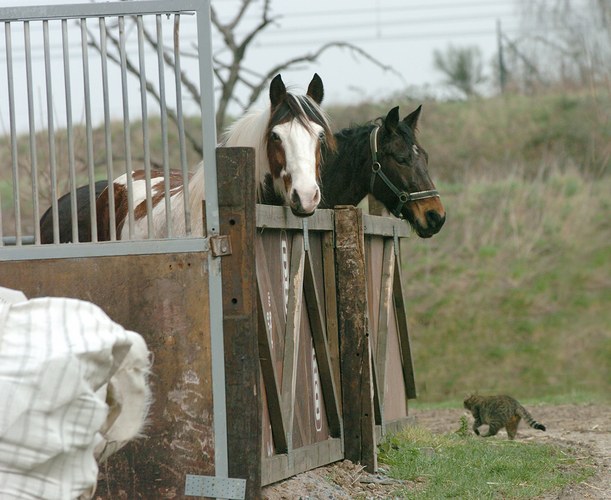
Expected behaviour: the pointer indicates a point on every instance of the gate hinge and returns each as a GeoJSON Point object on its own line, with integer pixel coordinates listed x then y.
{"type": "Point", "coordinates": [220, 245]}
{"type": "Point", "coordinates": [215, 487]}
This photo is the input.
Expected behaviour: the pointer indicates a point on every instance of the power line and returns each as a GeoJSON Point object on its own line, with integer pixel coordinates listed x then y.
{"type": "Point", "coordinates": [386, 38]}
{"type": "Point", "coordinates": [401, 22]}
{"type": "Point", "coordinates": [392, 9]}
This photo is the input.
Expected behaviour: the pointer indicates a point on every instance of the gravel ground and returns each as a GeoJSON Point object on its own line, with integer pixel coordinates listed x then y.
{"type": "Point", "coordinates": [586, 427]}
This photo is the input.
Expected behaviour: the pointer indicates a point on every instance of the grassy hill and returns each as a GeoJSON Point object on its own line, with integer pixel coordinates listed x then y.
{"type": "Point", "coordinates": [514, 294]}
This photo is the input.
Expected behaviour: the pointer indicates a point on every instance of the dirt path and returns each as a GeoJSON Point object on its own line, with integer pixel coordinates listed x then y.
{"type": "Point", "coordinates": [585, 427]}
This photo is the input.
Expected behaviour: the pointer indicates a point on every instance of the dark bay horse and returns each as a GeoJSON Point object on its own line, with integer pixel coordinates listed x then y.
{"type": "Point", "coordinates": [383, 158]}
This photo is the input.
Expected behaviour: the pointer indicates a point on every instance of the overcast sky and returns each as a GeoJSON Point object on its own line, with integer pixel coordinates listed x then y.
{"type": "Point", "coordinates": [402, 34]}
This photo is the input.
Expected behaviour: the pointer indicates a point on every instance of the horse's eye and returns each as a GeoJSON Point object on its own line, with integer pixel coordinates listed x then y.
{"type": "Point", "coordinates": [321, 136]}
{"type": "Point", "coordinates": [402, 159]}
{"type": "Point", "coordinates": [274, 137]}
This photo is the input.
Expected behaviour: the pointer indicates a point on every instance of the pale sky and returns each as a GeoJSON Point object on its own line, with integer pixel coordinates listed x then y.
{"type": "Point", "coordinates": [403, 34]}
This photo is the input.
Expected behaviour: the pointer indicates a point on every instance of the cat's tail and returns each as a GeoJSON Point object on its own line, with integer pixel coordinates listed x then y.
{"type": "Point", "coordinates": [528, 418]}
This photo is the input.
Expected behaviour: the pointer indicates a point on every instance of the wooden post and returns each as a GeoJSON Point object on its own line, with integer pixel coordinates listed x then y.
{"type": "Point", "coordinates": [356, 367]}
{"type": "Point", "coordinates": [236, 188]}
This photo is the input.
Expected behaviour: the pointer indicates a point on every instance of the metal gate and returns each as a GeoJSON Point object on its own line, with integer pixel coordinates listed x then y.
{"type": "Point", "coordinates": [84, 114]}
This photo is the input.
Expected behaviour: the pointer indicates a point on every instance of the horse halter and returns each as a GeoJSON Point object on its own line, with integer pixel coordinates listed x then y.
{"type": "Point", "coordinates": [403, 197]}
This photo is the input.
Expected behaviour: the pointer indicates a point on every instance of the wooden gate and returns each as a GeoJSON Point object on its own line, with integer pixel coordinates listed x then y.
{"type": "Point", "coordinates": [376, 363]}
{"type": "Point", "coordinates": [298, 342]}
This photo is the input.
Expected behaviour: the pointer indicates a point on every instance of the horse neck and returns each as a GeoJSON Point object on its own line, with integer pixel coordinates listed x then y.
{"type": "Point", "coordinates": [249, 131]}
{"type": "Point", "coordinates": [346, 173]}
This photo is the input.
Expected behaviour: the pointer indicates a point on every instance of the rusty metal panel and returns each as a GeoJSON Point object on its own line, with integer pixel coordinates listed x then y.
{"type": "Point", "coordinates": [164, 298]}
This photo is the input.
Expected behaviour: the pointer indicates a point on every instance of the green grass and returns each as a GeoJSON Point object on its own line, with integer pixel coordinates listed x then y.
{"type": "Point", "coordinates": [464, 466]}
{"type": "Point", "coordinates": [512, 295]}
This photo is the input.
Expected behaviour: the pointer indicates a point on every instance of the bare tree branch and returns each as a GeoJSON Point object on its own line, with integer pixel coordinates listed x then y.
{"type": "Point", "coordinates": [230, 71]}
{"type": "Point", "coordinates": [310, 58]}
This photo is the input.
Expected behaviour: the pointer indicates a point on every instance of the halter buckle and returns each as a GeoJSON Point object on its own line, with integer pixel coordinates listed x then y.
{"type": "Point", "coordinates": [376, 167]}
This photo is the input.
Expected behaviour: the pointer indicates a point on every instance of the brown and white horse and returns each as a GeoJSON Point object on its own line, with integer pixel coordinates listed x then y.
{"type": "Point", "coordinates": [288, 138]}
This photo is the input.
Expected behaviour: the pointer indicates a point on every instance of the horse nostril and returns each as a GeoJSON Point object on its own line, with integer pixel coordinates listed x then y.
{"type": "Point", "coordinates": [316, 197]}
{"type": "Point", "coordinates": [295, 200]}
{"type": "Point", "coordinates": [434, 219]}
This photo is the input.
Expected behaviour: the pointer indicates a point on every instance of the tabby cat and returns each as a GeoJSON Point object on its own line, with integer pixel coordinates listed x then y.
{"type": "Point", "coordinates": [498, 412]}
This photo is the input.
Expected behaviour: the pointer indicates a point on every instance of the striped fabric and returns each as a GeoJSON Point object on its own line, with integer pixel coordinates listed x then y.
{"type": "Point", "coordinates": [66, 370]}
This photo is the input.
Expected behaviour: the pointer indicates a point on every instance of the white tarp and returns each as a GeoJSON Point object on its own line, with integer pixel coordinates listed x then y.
{"type": "Point", "coordinates": [73, 388]}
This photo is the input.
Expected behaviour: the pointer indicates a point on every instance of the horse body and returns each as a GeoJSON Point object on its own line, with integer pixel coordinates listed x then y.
{"type": "Point", "coordinates": [83, 214]}
{"type": "Point", "coordinates": [384, 159]}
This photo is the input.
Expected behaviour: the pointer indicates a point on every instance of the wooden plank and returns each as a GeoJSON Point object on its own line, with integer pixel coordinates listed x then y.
{"type": "Point", "coordinates": [386, 226]}
{"type": "Point", "coordinates": [357, 403]}
{"type": "Point", "coordinates": [266, 356]}
{"type": "Point", "coordinates": [306, 458]}
{"type": "Point", "coordinates": [236, 192]}
{"type": "Point", "coordinates": [319, 338]}
{"type": "Point", "coordinates": [386, 302]}
{"type": "Point", "coordinates": [328, 259]}
{"type": "Point", "coordinates": [273, 217]}
{"type": "Point", "coordinates": [406, 350]}
{"type": "Point", "coordinates": [291, 335]}
{"type": "Point", "coordinates": [377, 394]}
{"type": "Point", "coordinates": [164, 298]}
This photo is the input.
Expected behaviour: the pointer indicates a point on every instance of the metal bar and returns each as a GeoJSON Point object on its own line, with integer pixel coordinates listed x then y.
{"type": "Point", "coordinates": [88, 130]}
{"type": "Point", "coordinates": [103, 249]}
{"type": "Point", "coordinates": [50, 135]}
{"type": "Point", "coordinates": [69, 131]}
{"type": "Point", "coordinates": [107, 130]}
{"type": "Point", "coordinates": [12, 241]}
{"type": "Point", "coordinates": [11, 102]}
{"type": "Point", "coordinates": [181, 125]}
{"type": "Point", "coordinates": [102, 9]}
{"type": "Point", "coordinates": [213, 487]}
{"type": "Point", "coordinates": [164, 126]}
{"type": "Point", "coordinates": [215, 292]}
{"type": "Point", "coordinates": [145, 127]}
{"type": "Point", "coordinates": [32, 130]}
{"type": "Point", "coordinates": [126, 131]}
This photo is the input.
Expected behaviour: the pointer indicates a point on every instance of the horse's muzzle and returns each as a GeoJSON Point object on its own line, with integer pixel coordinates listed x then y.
{"type": "Point", "coordinates": [435, 222]}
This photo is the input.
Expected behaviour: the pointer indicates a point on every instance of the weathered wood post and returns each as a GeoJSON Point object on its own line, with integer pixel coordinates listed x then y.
{"type": "Point", "coordinates": [356, 367]}
{"type": "Point", "coordinates": [236, 188]}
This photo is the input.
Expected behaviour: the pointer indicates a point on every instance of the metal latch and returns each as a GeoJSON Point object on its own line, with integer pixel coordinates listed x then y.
{"type": "Point", "coordinates": [215, 487]}
{"type": "Point", "coordinates": [220, 245]}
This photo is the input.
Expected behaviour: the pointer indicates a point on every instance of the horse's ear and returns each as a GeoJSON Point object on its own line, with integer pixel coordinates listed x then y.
{"type": "Point", "coordinates": [391, 122]}
{"type": "Point", "coordinates": [277, 91]}
{"type": "Point", "coordinates": [316, 90]}
{"type": "Point", "coordinates": [411, 120]}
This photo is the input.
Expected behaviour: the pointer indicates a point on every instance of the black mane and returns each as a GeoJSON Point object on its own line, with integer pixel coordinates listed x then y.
{"type": "Point", "coordinates": [342, 170]}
